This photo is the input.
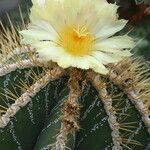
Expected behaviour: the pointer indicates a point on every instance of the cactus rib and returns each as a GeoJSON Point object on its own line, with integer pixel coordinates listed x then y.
{"type": "Point", "coordinates": [134, 97]}
{"type": "Point", "coordinates": [31, 92]}
{"type": "Point", "coordinates": [100, 86]}
{"type": "Point", "coordinates": [70, 111]}
{"type": "Point", "coordinates": [21, 65]}
{"type": "Point", "coordinates": [132, 81]}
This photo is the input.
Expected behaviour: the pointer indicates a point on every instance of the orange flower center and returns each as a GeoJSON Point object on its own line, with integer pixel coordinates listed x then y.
{"type": "Point", "coordinates": [77, 42]}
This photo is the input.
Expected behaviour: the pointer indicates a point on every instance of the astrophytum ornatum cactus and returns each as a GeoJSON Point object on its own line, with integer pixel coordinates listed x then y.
{"type": "Point", "coordinates": [67, 82]}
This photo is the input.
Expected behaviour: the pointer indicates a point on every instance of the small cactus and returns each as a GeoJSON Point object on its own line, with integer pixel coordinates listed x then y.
{"type": "Point", "coordinates": [44, 105]}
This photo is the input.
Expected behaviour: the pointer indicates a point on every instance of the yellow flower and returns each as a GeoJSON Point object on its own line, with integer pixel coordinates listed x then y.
{"type": "Point", "coordinates": [77, 33]}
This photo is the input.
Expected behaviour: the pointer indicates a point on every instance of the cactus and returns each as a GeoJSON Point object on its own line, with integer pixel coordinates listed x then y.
{"type": "Point", "coordinates": [46, 106]}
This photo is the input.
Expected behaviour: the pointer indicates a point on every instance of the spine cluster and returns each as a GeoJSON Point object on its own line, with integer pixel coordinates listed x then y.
{"type": "Point", "coordinates": [70, 112]}
{"type": "Point", "coordinates": [133, 78]}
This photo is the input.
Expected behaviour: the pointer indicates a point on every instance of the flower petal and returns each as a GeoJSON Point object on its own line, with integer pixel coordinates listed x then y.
{"type": "Point", "coordinates": [106, 15]}
{"type": "Point", "coordinates": [106, 58]}
{"type": "Point", "coordinates": [51, 53]}
{"type": "Point", "coordinates": [78, 62]}
{"type": "Point", "coordinates": [38, 2]}
{"type": "Point", "coordinates": [110, 29]}
{"type": "Point", "coordinates": [97, 66]}
{"type": "Point", "coordinates": [117, 42]}
{"type": "Point", "coordinates": [40, 32]}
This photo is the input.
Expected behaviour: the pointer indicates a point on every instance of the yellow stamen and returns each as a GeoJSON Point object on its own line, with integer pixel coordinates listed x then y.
{"type": "Point", "coordinates": [76, 41]}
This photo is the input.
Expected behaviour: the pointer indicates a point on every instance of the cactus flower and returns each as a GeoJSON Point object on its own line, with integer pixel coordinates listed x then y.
{"type": "Point", "coordinates": [77, 33]}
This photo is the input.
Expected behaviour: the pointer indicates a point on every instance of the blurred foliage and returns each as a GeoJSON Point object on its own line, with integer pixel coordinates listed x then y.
{"type": "Point", "coordinates": [24, 5]}
{"type": "Point", "coordinates": [14, 13]}
{"type": "Point", "coordinates": [148, 2]}
{"type": "Point", "coordinates": [141, 31]}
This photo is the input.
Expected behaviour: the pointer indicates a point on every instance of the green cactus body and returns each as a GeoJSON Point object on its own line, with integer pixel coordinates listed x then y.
{"type": "Point", "coordinates": [37, 122]}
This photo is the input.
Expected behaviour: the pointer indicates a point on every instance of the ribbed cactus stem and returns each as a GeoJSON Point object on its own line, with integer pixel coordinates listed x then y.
{"type": "Point", "coordinates": [69, 117]}
{"type": "Point", "coordinates": [70, 112]}
{"type": "Point", "coordinates": [134, 96]}
{"type": "Point", "coordinates": [21, 65]}
{"type": "Point", "coordinates": [100, 86]}
{"type": "Point", "coordinates": [26, 97]}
